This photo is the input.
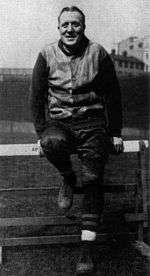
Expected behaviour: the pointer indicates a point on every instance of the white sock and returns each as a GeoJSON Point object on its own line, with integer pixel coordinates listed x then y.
{"type": "Point", "coordinates": [87, 235]}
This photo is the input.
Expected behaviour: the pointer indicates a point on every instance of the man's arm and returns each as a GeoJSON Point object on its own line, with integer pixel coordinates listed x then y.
{"type": "Point", "coordinates": [112, 96]}
{"type": "Point", "coordinates": [38, 96]}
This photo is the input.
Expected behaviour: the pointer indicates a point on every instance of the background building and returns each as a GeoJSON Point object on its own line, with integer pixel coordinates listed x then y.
{"type": "Point", "coordinates": [127, 65]}
{"type": "Point", "coordinates": [138, 48]}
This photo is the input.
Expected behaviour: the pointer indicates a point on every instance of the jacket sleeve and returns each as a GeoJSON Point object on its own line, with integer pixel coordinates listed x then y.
{"type": "Point", "coordinates": [112, 96]}
{"type": "Point", "coordinates": [39, 89]}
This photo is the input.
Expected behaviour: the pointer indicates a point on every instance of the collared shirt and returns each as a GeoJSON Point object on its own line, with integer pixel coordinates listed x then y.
{"type": "Point", "coordinates": [77, 85]}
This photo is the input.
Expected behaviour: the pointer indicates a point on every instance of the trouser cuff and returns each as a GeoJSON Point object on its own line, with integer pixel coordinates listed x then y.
{"type": "Point", "coordinates": [90, 222]}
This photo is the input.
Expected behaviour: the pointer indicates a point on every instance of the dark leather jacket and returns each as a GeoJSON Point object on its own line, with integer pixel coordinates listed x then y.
{"type": "Point", "coordinates": [79, 85]}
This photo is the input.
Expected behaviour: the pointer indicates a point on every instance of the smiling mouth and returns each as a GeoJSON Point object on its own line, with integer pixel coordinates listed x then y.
{"type": "Point", "coordinates": [70, 35]}
{"type": "Point", "coordinates": [70, 38]}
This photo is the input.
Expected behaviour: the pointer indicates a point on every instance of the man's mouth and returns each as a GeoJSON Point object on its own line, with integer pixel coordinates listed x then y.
{"type": "Point", "coordinates": [70, 36]}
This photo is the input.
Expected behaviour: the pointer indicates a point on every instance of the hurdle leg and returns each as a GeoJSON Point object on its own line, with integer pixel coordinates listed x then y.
{"type": "Point", "coordinates": [1, 258]}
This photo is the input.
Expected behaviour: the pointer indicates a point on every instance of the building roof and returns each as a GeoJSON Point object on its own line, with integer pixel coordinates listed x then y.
{"type": "Point", "coordinates": [126, 58]}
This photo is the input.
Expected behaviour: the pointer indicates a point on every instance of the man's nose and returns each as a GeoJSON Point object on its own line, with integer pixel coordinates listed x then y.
{"type": "Point", "coordinates": [70, 27]}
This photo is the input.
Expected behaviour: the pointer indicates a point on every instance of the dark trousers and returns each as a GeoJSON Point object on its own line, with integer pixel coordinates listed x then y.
{"type": "Point", "coordinates": [59, 141]}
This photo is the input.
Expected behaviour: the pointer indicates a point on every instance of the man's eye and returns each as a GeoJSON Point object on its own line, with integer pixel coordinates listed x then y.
{"type": "Point", "coordinates": [64, 25]}
{"type": "Point", "coordinates": [76, 24]}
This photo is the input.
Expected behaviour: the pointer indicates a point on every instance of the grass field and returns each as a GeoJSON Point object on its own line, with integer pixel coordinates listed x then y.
{"type": "Point", "coordinates": [116, 259]}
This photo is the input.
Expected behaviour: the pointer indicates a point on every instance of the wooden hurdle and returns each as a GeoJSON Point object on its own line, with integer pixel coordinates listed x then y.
{"type": "Point", "coordinates": [33, 149]}
{"type": "Point", "coordinates": [138, 216]}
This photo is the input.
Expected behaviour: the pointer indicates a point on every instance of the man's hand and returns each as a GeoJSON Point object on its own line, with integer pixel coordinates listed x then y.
{"type": "Point", "coordinates": [118, 144]}
{"type": "Point", "coordinates": [40, 150]}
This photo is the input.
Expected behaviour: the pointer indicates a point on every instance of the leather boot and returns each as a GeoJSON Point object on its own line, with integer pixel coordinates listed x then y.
{"type": "Point", "coordinates": [85, 265]}
{"type": "Point", "coordinates": [65, 197]}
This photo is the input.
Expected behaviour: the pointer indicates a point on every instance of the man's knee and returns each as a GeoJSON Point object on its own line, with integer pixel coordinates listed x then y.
{"type": "Point", "coordinates": [54, 144]}
{"type": "Point", "coordinates": [90, 175]}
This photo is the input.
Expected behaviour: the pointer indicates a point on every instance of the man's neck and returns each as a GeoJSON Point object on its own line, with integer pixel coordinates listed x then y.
{"type": "Point", "coordinates": [69, 50]}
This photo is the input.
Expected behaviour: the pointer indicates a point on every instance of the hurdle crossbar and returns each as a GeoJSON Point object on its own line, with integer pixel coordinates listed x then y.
{"type": "Point", "coordinates": [33, 149]}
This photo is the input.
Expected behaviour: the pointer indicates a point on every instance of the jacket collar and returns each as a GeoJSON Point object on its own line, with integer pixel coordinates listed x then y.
{"type": "Point", "coordinates": [78, 51]}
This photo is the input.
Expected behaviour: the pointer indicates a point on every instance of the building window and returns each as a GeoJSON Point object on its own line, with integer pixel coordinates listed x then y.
{"type": "Point", "coordinates": [120, 63]}
{"type": "Point", "coordinates": [124, 53]}
{"type": "Point", "coordinates": [131, 39]}
{"type": "Point", "coordinates": [1, 77]}
{"type": "Point", "coordinates": [146, 68]}
{"type": "Point", "coordinates": [131, 47]}
{"type": "Point", "coordinates": [126, 64]}
{"type": "Point", "coordinates": [140, 45]}
{"type": "Point", "coordinates": [137, 66]}
{"type": "Point", "coordinates": [131, 65]}
{"type": "Point", "coordinates": [142, 66]}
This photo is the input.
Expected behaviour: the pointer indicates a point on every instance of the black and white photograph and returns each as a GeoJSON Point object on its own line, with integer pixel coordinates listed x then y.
{"type": "Point", "coordinates": [74, 138]}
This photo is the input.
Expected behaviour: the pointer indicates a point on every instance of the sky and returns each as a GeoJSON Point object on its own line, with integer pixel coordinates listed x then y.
{"type": "Point", "coordinates": [27, 25]}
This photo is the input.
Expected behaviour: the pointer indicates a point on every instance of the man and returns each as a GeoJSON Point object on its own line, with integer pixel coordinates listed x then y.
{"type": "Point", "coordinates": [76, 107]}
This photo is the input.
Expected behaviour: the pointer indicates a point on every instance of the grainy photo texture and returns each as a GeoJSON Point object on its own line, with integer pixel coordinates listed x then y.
{"type": "Point", "coordinates": [74, 137]}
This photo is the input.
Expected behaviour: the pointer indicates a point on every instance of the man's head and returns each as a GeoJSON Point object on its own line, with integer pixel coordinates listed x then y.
{"type": "Point", "coordinates": [71, 25]}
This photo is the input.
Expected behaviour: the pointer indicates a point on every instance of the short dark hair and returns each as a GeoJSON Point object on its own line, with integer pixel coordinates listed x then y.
{"type": "Point", "coordinates": [72, 9]}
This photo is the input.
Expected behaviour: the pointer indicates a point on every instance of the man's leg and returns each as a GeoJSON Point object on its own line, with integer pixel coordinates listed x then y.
{"type": "Point", "coordinates": [57, 143]}
{"type": "Point", "coordinates": [93, 154]}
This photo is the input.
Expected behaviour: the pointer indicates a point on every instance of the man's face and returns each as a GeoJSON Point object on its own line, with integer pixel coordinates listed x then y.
{"type": "Point", "coordinates": [71, 28]}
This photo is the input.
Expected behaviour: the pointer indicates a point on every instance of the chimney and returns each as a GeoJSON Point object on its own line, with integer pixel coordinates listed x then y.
{"type": "Point", "coordinates": [113, 52]}
{"type": "Point", "coordinates": [124, 53]}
